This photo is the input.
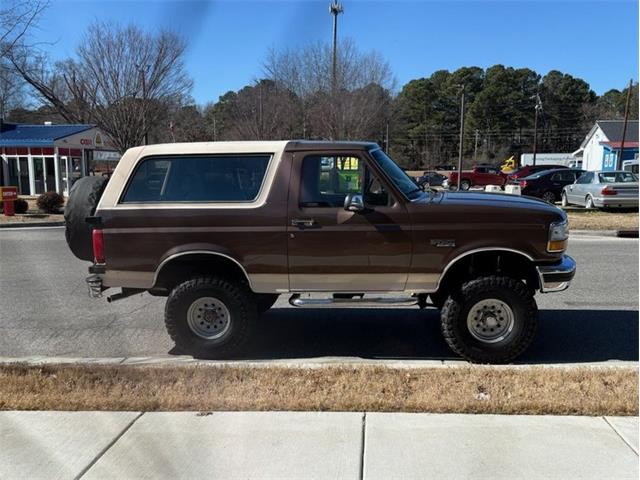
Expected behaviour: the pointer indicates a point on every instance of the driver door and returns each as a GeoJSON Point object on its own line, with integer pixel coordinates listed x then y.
{"type": "Point", "coordinates": [331, 249]}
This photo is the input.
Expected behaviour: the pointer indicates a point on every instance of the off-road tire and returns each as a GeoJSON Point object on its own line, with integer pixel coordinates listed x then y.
{"type": "Point", "coordinates": [240, 302]}
{"type": "Point", "coordinates": [264, 301]}
{"type": "Point", "coordinates": [465, 185]}
{"type": "Point", "coordinates": [510, 291]}
{"type": "Point", "coordinates": [83, 200]}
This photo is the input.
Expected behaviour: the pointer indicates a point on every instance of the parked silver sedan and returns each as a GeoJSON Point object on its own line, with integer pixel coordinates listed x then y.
{"type": "Point", "coordinates": [603, 189]}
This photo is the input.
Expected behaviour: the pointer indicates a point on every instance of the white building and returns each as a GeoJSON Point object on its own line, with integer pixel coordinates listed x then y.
{"type": "Point", "coordinates": [41, 158]}
{"type": "Point", "coordinates": [601, 147]}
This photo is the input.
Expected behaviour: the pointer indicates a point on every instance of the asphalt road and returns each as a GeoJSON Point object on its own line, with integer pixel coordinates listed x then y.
{"type": "Point", "coordinates": [45, 310]}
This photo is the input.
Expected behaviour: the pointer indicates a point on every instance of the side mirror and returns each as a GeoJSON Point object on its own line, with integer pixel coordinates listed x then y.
{"type": "Point", "coordinates": [353, 202]}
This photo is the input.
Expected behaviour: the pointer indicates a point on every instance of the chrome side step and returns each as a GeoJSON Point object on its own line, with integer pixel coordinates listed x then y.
{"type": "Point", "coordinates": [296, 301]}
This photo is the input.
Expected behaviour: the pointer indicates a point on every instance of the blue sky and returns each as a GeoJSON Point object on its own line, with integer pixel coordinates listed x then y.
{"type": "Point", "coordinates": [228, 40]}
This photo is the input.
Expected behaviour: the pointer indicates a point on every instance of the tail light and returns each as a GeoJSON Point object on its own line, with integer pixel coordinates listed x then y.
{"type": "Point", "coordinates": [523, 183]}
{"type": "Point", "coordinates": [98, 245]}
{"type": "Point", "coordinates": [608, 191]}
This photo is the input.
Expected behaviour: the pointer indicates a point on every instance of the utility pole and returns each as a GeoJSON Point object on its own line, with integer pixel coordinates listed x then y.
{"type": "Point", "coordinates": [535, 126]}
{"type": "Point", "coordinates": [386, 139]}
{"type": "Point", "coordinates": [335, 9]}
{"type": "Point", "coordinates": [461, 136]}
{"type": "Point", "coordinates": [475, 149]}
{"type": "Point", "coordinates": [624, 127]}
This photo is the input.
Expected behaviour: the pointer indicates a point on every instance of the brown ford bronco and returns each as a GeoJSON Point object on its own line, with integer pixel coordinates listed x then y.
{"type": "Point", "coordinates": [222, 229]}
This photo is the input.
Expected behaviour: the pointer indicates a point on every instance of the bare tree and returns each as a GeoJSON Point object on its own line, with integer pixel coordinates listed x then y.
{"type": "Point", "coordinates": [359, 104]}
{"type": "Point", "coordinates": [16, 18]}
{"type": "Point", "coordinates": [12, 89]}
{"type": "Point", "coordinates": [122, 79]}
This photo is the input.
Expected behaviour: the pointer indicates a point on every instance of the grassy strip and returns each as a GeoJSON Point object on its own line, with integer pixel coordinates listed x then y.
{"type": "Point", "coordinates": [579, 391]}
{"type": "Point", "coordinates": [597, 220]}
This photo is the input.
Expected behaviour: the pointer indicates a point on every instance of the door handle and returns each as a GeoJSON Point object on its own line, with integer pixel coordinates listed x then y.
{"type": "Point", "coordinates": [303, 222]}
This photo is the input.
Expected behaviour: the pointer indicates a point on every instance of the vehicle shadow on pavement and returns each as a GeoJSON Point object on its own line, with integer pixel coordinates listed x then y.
{"type": "Point", "coordinates": [564, 336]}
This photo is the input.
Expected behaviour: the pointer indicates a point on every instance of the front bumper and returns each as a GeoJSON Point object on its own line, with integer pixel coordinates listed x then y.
{"type": "Point", "coordinates": [556, 278]}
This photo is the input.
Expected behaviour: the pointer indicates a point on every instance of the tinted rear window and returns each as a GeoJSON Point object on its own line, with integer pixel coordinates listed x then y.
{"type": "Point", "coordinates": [197, 179]}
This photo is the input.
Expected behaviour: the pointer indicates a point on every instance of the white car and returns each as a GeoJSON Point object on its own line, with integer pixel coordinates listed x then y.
{"type": "Point", "coordinates": [603, 189]}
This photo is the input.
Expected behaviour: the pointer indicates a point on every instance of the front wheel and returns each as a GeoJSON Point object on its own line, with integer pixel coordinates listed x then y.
{"type": "Point", "coordinates": [465, 185]}
{"type": "Point", "coordinates": [209, 317]}
{"type": "Point", "coordinates": [490, 319]}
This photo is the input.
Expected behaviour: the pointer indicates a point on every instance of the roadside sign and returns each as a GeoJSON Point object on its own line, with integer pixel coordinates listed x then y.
{"type": "Point", "coordinates": [8, 196]}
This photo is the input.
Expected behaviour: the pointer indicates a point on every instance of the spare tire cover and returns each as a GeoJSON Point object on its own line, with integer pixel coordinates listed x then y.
{"type": "Point", "coordinates": [83, 200]}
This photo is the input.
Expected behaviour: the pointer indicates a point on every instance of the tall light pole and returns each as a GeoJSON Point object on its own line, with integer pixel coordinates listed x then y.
{"type": "Point", "coordinates": [335, 9]}
{"type": "Point", "coordinates": [461, 135]}
{"type": "Point", "coordinates": [535, 126]}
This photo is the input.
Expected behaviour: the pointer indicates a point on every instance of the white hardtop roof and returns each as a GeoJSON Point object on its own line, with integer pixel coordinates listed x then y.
{"type": "Point", "coordinates": [213, 147]}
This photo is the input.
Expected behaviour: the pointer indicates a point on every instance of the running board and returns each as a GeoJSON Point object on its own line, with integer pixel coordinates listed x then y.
{"type": "Point", "coordinates": [296, 301]}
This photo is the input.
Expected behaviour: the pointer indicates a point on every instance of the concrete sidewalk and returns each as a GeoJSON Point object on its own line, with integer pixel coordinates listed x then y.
{"type": "Point", "coordinates": [314, 445]}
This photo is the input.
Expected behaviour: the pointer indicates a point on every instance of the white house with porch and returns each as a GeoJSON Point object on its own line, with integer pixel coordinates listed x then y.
{"type": "Point", "coordinates": [42, 158]}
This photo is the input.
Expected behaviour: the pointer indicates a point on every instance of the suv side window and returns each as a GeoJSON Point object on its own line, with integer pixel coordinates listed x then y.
{"type": "Point", "coordinates": [327, 180]}
{"type": "Point", "coordinates": [198, 178]}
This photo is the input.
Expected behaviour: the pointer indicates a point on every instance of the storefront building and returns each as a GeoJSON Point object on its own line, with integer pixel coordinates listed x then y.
{"type": "Point", "coordinates": [42, 158]}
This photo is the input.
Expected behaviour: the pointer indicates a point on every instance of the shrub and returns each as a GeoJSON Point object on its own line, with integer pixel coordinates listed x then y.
{"type": "Point", "coordinates": [19, 205]}
{"type": "Point", "coordinates": [50, 202]}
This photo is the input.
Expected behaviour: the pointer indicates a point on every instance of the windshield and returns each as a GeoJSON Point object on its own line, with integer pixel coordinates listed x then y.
{"type": "Point", "coordinates": [617, 177]}
{"type": "Point", "coordinates": [401, 180]}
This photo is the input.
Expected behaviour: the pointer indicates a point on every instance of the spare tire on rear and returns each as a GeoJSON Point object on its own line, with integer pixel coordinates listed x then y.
{"type": "Point", "coordinates": [83, 200]}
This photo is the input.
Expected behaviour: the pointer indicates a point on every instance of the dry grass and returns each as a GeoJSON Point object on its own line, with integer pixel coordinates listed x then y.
{"type": "Point", "coordinates": [579, 391]}
{"type": "Point", "coordinates": [597, 220]}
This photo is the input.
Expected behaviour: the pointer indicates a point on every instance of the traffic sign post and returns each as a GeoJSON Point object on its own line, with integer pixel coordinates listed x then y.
{"type": "Point", "coordinates": [8, 196]}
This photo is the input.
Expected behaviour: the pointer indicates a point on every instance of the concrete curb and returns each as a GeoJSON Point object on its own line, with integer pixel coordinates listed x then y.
{"type": "Point", "coordinates": [605, 233]}
{"type": "Point", "coordinates": [31, 224]}
{"type": "Point", "coordinates": [304, 363]}
{"type": "Point", "coordinates": [627, 233]}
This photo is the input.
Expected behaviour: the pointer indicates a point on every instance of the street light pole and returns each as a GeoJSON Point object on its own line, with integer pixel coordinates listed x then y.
{"type": "Point", "coordinates": [335, 9]}
{"type": "Point", "coordinates": [461, 136]}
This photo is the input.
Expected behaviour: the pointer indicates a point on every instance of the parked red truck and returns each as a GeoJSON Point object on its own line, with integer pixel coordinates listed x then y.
{"type": "Point", "coordinates": [480, 176]}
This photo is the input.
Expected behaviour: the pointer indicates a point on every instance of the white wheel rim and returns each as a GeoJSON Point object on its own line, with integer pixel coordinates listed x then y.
{"type": "Point", "coordinates": [208, 318]}
{"type": "Point", "coordinates": [490, 320]}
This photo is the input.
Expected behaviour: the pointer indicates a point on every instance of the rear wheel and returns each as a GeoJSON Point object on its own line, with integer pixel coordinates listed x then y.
{"type": "Point", "coordinates": [589, 203]}
{"type": "Point", "coordinates": [490, 319]}
{"type": "Point", "coordinates": [549, 197]}
{"type": "Point", "coordinates": [465, 185]}
{"type": "Point", "coordinates": [209, 317]}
